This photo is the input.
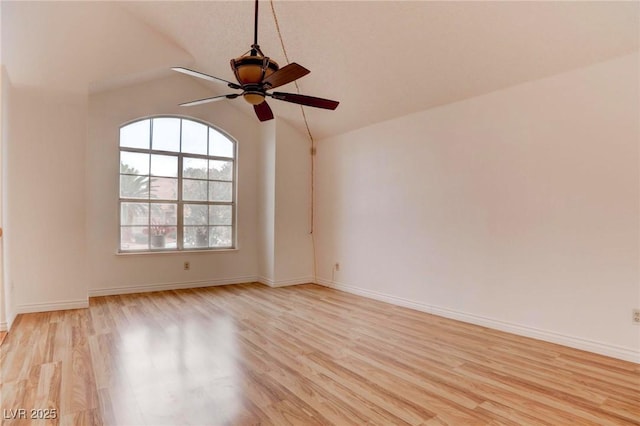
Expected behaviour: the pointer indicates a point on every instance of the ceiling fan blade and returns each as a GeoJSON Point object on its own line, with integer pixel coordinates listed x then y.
{"type": "Point", "coordinates": [285, 75]}
{"type": "Point", "coordinates": [305, 100]}
{"type": "Point", "coordinates": [212, 99]}
{"type": "Point", "coordinates": [204, 76]}
{"type": "Point", "coordinates": [263, 111]}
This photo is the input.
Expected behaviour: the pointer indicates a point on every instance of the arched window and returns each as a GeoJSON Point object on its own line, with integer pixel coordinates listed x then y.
{"type": "Point", "coordinates": [177, 186]}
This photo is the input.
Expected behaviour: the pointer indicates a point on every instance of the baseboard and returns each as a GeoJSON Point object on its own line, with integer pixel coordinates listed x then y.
{"type": "Point", "coordinates": [111, 291]}
{"type": "Point", "coordinates": [3, 326]}
{"type": "Point", "coordinates": [285, 283]}
{"type": "Point", "coordinates": [52, 306]}
{"type": "Point", "coordinates": [545, 335]}
{"type": "Point", "coordinates": [11, 317]}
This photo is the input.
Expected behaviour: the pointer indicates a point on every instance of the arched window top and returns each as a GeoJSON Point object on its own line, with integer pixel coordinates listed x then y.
{"type": "Point", "coordinates": [177, 135]}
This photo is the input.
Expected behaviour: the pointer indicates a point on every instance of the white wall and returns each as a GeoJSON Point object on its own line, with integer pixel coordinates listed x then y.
{"type": "Point", "coordinates": [112, 273]}
{"type": "Point", "coordinates": [44, 200]}
{"type": "Point", "coordinates": [518, 209]}
{"type": "Point", "coordinates": [5, 295]}
{"type": "Point", "coordinates": [266, 202]}
{"type": "Point", "coordinates": [294, 256]}
{"type": "Point", "coordinates": [286, 256]}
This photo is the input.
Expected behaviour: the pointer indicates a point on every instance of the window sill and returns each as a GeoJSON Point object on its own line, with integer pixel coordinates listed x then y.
{"type": "Point", "coordinates": [174, 252]}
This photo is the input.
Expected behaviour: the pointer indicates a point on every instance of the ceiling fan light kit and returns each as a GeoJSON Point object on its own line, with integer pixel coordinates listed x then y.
{"type": "Point", "coordinates": [256, 74]}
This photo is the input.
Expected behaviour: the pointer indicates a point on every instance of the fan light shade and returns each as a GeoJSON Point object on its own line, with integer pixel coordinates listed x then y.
{"type": "Point", "coordinates": [253, 69]}
{"type": "Point", "coordinates": [253, 98]}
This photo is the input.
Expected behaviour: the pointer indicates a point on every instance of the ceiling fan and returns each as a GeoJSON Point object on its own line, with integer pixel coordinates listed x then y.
{"type": "Point", "coordinates": [256, 75]}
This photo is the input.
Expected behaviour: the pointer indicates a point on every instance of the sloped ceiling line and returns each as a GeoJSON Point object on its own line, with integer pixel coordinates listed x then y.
{"type": "Point", "coordinates": [382, 60]}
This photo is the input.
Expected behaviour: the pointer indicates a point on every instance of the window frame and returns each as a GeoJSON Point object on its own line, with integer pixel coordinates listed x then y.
{"type": "Point", "coordinates": [179, 201]}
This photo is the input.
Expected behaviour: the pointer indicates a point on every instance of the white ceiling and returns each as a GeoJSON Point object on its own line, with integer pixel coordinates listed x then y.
{"type": "Point", "coordinates": [379, 59]}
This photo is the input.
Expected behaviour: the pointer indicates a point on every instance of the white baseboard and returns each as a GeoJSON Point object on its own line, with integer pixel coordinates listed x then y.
{"type": "Point", "coordinates": [548, 336]}
{"type": "Point", "coordinates": [52, 306]}
{"type": "Point", "coordinates": [3, 326]}
{"type": "Point", "coordinates": [285, 283]}
{"type": "Point", "coordinates": [11, 317]}
{"type": "Point", "coordinates": [111, 291]}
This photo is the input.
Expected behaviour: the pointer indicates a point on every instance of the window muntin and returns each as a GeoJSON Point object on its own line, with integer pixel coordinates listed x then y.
{"type": "Point", "coordinates": [177, 186]}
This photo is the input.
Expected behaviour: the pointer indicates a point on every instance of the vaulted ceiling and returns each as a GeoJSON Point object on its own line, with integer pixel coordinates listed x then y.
{"type": "Point", "coordinates": [381, 59]}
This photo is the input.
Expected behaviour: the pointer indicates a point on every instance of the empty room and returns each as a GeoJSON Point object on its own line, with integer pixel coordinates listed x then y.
{"type": "Point", "coordinates": [320, 212]}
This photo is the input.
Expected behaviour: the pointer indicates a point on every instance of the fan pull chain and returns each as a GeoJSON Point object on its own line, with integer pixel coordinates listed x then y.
{"type": "Point", "coordinates": [286, 57]}
{"type": "Point", "coordinates": [313, 143]}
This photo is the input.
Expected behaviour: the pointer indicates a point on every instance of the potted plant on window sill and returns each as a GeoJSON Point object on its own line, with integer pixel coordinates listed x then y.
{"type": "Point", "coordinates": [159, 235]}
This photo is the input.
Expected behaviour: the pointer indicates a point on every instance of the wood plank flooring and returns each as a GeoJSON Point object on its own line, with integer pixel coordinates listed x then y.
{"type": "Point", "coordinates": [249, 355]}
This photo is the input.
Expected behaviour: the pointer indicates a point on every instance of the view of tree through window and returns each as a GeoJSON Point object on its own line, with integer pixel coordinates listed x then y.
{"type": "Point", "coordinates": [177, 186]}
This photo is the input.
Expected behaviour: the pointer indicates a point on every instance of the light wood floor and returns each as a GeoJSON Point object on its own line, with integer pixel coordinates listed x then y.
{"type": "Point", "coordinates": [249, 354]}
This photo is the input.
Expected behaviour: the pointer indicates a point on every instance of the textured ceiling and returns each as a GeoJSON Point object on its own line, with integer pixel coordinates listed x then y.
{"type": "Point", "coordinates": [380, 59]}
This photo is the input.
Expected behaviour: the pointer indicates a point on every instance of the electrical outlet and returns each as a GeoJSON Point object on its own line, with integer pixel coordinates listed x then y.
{"type": "Point", "coordinates": [337, 266]}
{"type": "Point", "coordinates": [636, 316]}
{"type": "Point", "coordinates": [187, 266]}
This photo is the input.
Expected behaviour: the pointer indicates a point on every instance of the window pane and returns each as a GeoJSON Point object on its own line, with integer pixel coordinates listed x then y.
{"type": "Point", "coordinates": [171, 240]}
{"type": "Point", "coordinates": [194, 168]}
{"type": "Point", "coordinates": [194, 137]}
{"type": "Point", "coordinates": [220, 170]}
{"type": "Point", "coordinates": [220, 191]}
{"type": "Point", "coordinates": [134, 238]}
{"type": "Point", "coordinates": [195, 236]}
{"type": "Point", "coordinates": [134, 163]}
{"type": "Point", "coordinates": [220, 215]}
{"type": "Point", "coordinates": [164, 165]}
{"type": "Point", "coordinates": [136, 135]}
{"type": "Point", "coordinates": [164, 214]}
{"type": "Point", "coordinates": [195, 214]}
{"type": "Point", "coordinates": [134, 187]}
{"type": "Point", "coordinates": [220, 236]}
{"type": "Point", "coordinates": [166, 134]}
{"type": "Point", "coordinates": [164, 188]}
{"type": "Point", "coordinates": [194, 190]}
{"type": "Point", "coordinates": [162, 237]}
{"type": "Point", "coordinates": [219, 145]}
{"type": "Point", "coordinates": [134, 214]}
